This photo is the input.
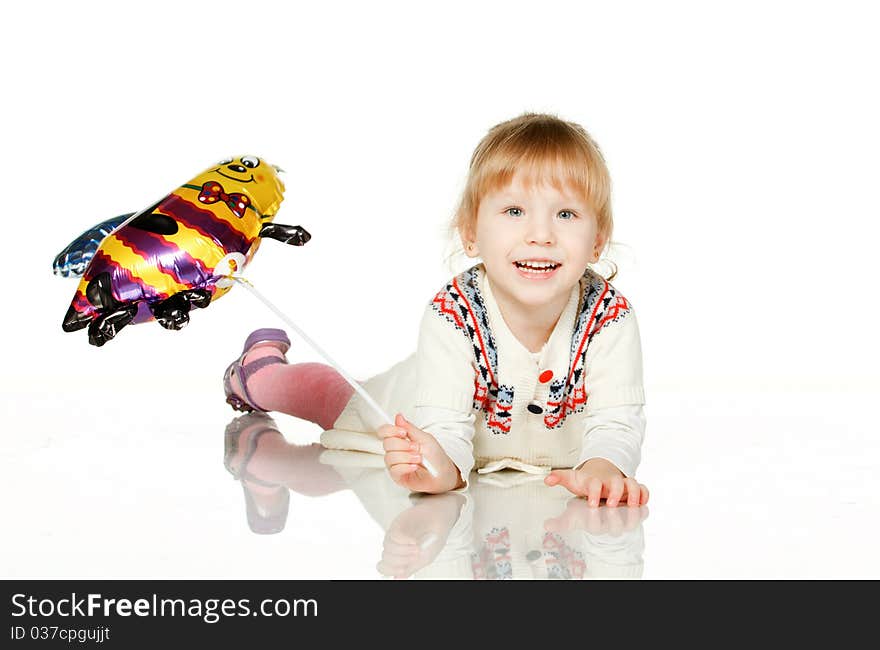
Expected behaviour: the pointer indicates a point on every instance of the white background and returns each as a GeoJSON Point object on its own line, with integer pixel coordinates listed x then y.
{"type": "Point", "coordinates": [742, 140]}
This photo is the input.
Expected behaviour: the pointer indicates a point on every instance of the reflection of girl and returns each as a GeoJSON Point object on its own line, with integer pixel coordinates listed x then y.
{"type": "Point", "coordinates": [529, 359]}
{"type": "Point", "coordinates": [269, 467]}
{"type": "Point", "coordinates": [514, 529]}
{"type": "Point", "coordinates": [507, 525]}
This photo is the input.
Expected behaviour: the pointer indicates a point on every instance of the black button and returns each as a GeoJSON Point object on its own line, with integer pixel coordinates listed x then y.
{"type": "Point", "coordinates": [534, 408]}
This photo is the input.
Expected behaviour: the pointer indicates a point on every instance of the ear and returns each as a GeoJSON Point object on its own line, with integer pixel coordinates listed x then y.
{"type": "Point", "coordinates": [598, 246]}
{"type": "Point", "coordinates": [469, 243]}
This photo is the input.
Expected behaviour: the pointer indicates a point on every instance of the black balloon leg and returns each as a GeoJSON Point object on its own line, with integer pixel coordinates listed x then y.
{"type": "Point", "coordinates": [293, 235]}
{"type": "Point", "coordinates": [172, 313]}
{"type": "Point", "coordinates": [108, 324]}
{"type": "Point", "coordinates": [198, 298]}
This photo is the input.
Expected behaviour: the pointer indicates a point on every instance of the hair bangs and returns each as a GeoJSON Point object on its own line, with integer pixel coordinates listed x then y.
{"type": "Point", "coordinates": [544, 151]}
{"type": "Point", "coordinates": [565, 170]}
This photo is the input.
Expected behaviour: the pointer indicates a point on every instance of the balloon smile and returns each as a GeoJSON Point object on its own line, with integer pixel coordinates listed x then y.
{"type": "Point", "coordinates": [233, 178]}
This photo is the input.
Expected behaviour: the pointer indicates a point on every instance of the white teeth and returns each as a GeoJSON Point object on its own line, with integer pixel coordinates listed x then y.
{"type": "Point", "coordinates": [535, 266]}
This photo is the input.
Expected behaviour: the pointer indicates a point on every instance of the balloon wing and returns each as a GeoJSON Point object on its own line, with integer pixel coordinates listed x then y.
{"type": "Point", "coordinates": [72, 261]}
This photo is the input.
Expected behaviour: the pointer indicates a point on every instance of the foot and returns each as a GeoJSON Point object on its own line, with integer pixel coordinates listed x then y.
{"type": "Point", "coordinates": [262, 348]}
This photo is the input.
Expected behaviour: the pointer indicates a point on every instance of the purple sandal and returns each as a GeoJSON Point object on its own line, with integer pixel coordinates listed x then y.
{"type": "Point", "coordinates": [267, 336]}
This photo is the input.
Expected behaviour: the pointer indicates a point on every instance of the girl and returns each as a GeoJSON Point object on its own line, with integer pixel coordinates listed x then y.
{"type": "Point", "coordinates": [528, 360]}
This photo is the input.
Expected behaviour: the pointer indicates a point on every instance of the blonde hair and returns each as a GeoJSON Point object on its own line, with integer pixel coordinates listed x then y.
{"type": "Point", "coordinates": [548, 150]}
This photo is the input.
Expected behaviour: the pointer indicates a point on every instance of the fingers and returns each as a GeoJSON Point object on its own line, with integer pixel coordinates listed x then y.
{"type": "Point", "coordinates": [411, 430]}
{"type": "Point", "coordinates": [390, 431]}
{"type": "Point", "coordinates": [615, 491]}
{"type": "Point", "coordinates": [564, 477]}
{"type": "Point", "coordinates": [577, 483]}
{"type": "Point", "coordinates": [403, 472]}
{"type": "Point", "coordinates": [394, 439]}
{"type": "Point", "coordinates": [403, 455]}
{"type": "Point", "coordinates": [633, 492]}
{"type": "Point", "coordinates": [594, 491]}
{"type": "Point", "coordinates": [393, 458]}
{"type": "Point", "coordinates": [394, 443]}
{"type": "Point", "coordinates": [637, 494]}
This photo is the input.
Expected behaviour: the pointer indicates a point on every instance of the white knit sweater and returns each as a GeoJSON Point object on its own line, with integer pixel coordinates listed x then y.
{"type": "Point", "coordinates": [492, 404]}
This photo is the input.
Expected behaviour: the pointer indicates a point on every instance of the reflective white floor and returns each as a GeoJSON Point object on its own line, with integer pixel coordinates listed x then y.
{"type": "Point", "coordinates": [768, 485]}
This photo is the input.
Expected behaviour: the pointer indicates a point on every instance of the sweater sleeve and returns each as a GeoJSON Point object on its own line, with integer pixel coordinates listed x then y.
{"type": "Point", "coordinates": [613, 365]}
{"type": "Point", "coordinates": [615, 434]}
{"type": "Point", "coordinates": [445, 388]}
{"type": "Point", "coordinates": [614, 423]}
{"type": "Point", "coordinates": [453, 431]}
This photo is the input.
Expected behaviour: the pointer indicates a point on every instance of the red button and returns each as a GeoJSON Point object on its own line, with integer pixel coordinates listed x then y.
{"type": "Point", "coordinates": [545, 376]}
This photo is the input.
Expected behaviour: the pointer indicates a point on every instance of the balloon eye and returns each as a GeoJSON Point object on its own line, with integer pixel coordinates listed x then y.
{"type": "Point", "coordinates": [250, 161]}
{"type": "Point", "coordinates": [225, 161]}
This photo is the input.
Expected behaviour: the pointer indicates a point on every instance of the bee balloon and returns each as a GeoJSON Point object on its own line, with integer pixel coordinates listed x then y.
{"type": "Point", "coordinates": [176, 254]}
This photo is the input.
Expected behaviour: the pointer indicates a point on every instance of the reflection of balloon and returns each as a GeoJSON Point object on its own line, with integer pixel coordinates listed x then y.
{"type": "Point", "coordinates": [172, 256]}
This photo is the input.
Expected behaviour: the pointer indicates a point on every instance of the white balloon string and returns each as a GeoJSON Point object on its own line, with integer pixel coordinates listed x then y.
{"type": "Point", "coordinates": [358, 388]}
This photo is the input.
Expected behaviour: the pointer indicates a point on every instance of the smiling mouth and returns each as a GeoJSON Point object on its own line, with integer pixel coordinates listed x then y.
{"type": "Point", "coordinates": [536, 268]}
{"type": "Point", "coordinates": [233, 178]}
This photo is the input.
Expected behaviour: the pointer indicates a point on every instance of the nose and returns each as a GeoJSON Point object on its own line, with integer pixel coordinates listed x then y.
{"type": "Point", "coordinates": [237, 168]}
{"type": "Point", "coordinates": [539, 230]}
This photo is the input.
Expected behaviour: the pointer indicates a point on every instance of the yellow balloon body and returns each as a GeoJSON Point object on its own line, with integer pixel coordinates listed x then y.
{"type": "Point", "coordinates": [183, 245]}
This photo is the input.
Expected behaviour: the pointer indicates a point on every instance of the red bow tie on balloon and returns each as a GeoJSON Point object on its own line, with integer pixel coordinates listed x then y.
{"type": "Point", "coordinates": [212, 192]}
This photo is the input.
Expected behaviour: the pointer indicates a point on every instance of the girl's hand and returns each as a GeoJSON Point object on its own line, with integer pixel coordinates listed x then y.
{"type": "Point", "coordinates": [405, 446]}
{"type": "Point", "coordinates": [600, 479]}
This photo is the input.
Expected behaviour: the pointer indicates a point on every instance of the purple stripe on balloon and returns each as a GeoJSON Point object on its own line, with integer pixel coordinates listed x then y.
{"type": "Point", "coordinates": [204, 221]}
{"type": "Point", "coordinates": [143, 313]}
{"type": "Point", "coordinates": [81, 304]}
{"type": "Point", "coordinates": [124, 286]}
{"type": "Point", "coordinates": [164, 255]}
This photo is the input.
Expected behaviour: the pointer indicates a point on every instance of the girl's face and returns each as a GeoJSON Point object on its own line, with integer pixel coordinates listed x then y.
{"type": "Point", "coordinates": [535, 242]}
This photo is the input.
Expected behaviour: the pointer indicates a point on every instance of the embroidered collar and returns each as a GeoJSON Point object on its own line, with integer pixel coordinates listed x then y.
{"type": "Point", "coordinates": [468, 304]}
{"type": "Point", "coordinates": [511, 349]}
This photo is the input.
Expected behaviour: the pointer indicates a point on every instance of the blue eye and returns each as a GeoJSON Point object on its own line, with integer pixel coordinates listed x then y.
{"type": "Point", "coordinates": [514, 212]}
{"type": "Point", "coordinates": [566, 214]}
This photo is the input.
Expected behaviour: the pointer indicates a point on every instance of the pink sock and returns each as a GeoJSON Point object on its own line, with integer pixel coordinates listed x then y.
{"type": "Point", "coordinates": [312, 391]}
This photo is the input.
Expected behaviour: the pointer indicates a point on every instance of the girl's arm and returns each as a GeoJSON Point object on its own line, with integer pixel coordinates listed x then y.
{"type": "Point", "coordinates": [442, 422]}
{"type": "Point", "coordinates": [614, 420]}
{"type": "Point", "coordinates": [615, 433]}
